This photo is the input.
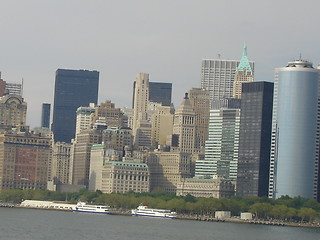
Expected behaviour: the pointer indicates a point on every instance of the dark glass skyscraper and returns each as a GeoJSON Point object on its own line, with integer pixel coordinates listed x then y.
{"type": "Point", "coordinates": [45, 117]}
{"type": "Point", "coordinates": [73, 88]}
{"type": "Point", "coordinates": [159, 92]}
{"type": "Point", "coordinates": [255, 139]}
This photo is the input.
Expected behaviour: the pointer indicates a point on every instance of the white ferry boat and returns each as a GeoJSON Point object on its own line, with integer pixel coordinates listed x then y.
{"type": "Point", "coordinates": [152, 212]}
{"type": "Point", "coordinates": [85, 208]}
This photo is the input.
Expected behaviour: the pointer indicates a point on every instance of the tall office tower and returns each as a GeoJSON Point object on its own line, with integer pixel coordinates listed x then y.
{"type": "Point", "coordinates": [84, 117]}
{"type": "Point", "coordinates": [200, 101]}
{"type": "Point", "coordinates": [127, 117]}
{"type": "Point", "coordinates": [45, 115]}
{"type": "Point", "coordinates": [141, 98]}
{"type": "Point", "coordinates": [61, 163]}
{"type": "Point", "coordinates": [14, 88]}
{"type": "Point", "coordinates": [184, 127]}
{"type": "Point", "coordinates": [168, 168]}
{"type": "Point", "coordinates": [73, 88]}
{"type": "Point", "coordinates": [24, 161]}
{"type": "Point", "coordinates": [13, 111]}
{"type": "Point", "coordinates": [107, 111]}
{"type": "Point", "coordinates": [221, 150]}
{"type": "Point", "coordinates": [294, 147]}
{"type": "Point", "coordinates": [244, 73]}
{"type": "Point", "coordinates": [218, 75]}
{"type": "Point", "coordinates": [162, 124]}
{"type": "Point", "coordinates": [159, 92]}
{"type": "Point", "coordinates": [255, 139]}
{"type": "Point", "coordinates": [80, 155]}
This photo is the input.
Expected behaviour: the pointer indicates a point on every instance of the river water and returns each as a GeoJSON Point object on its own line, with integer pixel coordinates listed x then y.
{"type": "Point", "coordinates": [29, 224]}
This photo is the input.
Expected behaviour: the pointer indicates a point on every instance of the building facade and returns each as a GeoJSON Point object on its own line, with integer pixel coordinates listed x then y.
{"type": "Point", "coordinates": [84, 118]}
{"type": "Point", "coordinates": [215, 187]}
{"type": "Point", "coordinates": [200, 101]}
{"type": "Point", "coordinates": [13, 111]}
{"type": "Point", "coordinates": [73, 88]}
{"type": "Point", "coordinates": [294, 148]}
{"type": "Point", "coordinates": [221, 150]}
{"type": "Point", "coordinates": [45, 115]}
{"type": "Point", "coordinates": [24, 161]}
{"type": "Point", "coordinates": [255, 139]}
{"type": "Point", "coordinates": [167, 169]}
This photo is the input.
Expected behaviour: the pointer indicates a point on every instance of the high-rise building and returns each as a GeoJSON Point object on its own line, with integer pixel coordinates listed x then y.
{"type": "Point", "coordinates": [80, 155]}
{"type": "Point", "coordinates": [162, 124]}
{"type": "Point", "coordinates": [45, 116]}
{"type": "Point", "coordinates": [13, 111]}
{"type": "Point", "coordinates": [168, 168]}
{"type": "Point", "coordinates": [244, 73]}
{"type": "Point", "coordinates": [184, 127]}
{"type": "Point", "coordinates": [218, 76]}
{"type": "Point", "coordinates": [255, 139]}
{"type": "Point", "coordinates": [141, 98]}
{"type": "Point", "coordinates": [221, 149]}
{"type": "Point", "coordinates": [61, 163]}
{"type": "Point", "coordinates": [200, 101]}
{"type": "Point", "coordinates": [24, 161]}
{"type": "Point", "coordinates": [295, 136]}
{"type": "Point", "coordinates": [84, 117]}
{"type": "Point", "coordinates": [107, 111]}
{"type": "Point", "coordinates": [73, 88]}
{"type": "Point", "coordinates": [159, 92]}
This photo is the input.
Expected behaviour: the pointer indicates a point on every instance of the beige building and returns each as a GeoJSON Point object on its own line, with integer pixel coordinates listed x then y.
{"type": "Point", "coordinates": [113, 116]}
{"type": "Point", "coordinates": [80, 155]}
{"type": "Point", "coordinates": [162, 125]}
{"type": "Point", "coordinates": [84, 117]}
{"type": "Point", "coordinates": [116, 176]}
{"type": "Point", "coordinates": [200, 101]}
{"type": "Point", "coordinates": [167, 169]}
{"type": "Point", "coordinates": [13, 111]}
{"type": "Point", "coordinates": [117, 138]}
{"type": "Point", "coordinates": [24, 161]}
{"type": "Point", "coordinates": [61, 163]}
{"type": "Point", "coordinates": [184, 128]}
{"type": "Point", "coordinates": [217, 188]}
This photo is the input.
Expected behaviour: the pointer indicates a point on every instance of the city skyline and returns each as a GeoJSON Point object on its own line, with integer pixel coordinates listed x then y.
{"type": "Point", "coordinates": [168, 46]}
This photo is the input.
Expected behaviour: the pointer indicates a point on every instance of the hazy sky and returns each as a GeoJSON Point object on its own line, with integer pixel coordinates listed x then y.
{"type": "Point", "coordinates": [165, 38]}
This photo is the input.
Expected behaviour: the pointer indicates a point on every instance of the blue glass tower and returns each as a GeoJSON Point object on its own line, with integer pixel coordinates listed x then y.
{"type": "Point", "coordinates": [73, 88]}
{"type": "Point", "coordinates": [295, 141]}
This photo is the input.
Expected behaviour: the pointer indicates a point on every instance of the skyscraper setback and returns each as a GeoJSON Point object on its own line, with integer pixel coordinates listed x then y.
{"type": "Point", "coordinates": [73, 88]}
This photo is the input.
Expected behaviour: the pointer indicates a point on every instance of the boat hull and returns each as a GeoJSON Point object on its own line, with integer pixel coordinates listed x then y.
{"type": "Point", "coordinates": [153, 216]}
{"type": "Point", "coordinates": [82, 211]}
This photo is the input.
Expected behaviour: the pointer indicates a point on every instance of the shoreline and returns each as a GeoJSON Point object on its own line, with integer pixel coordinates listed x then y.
{"type": "Point", "coordinates": [188, 217]}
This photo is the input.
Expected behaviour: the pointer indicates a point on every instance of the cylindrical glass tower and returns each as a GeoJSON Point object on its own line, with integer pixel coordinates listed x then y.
{"type": "Point", "coordinates": [296, 119]}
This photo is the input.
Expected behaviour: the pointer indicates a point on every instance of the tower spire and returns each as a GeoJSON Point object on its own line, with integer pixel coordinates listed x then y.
{"type": "Point", "coordinates": [244, 62]}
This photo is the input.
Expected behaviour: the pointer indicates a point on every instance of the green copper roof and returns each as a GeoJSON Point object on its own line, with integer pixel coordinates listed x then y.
{"type": "Point", "coordinates": [244, 62]}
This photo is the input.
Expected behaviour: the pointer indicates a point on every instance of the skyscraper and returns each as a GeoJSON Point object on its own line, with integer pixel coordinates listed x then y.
{"type": "Point", "coordinates": [159, 92]}
{"type": "Point", "coordinates": [244, 73]}
{"type": "Point", "coordinates": [200, 101]}
{"type": "Point", "coordinates": [184, 126]}
{"type": "Point", "coordinates": [45, 116]}
{"type": "Point", "coordinates": [221, 149]}
{"type": "Point", "coordinates": [255, 139]}
{"type": "Point", "coordinates": [295, 137]}
{"type": "Point", "coordinates": [73, 88]}
{"type": "Point", "coordinates": [218, 76]}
